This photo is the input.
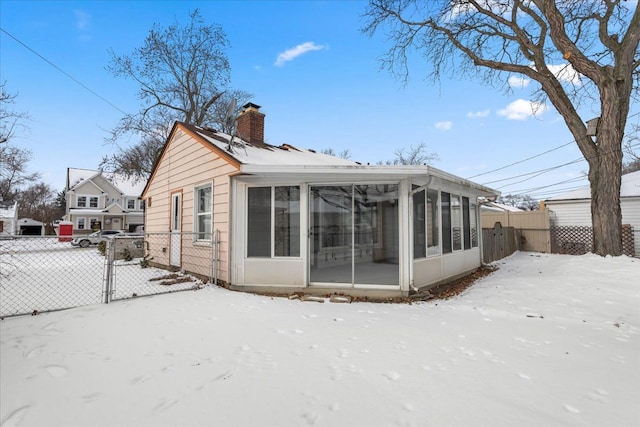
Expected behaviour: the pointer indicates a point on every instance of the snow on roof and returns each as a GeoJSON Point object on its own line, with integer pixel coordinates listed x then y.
{"type": "Point", "coordinates": [266, 154]}
{"type": "Point", "coordinates": [630, 187]}
{"type": "Point", "coordinates": [126, 186]}
{"type": "Point", "coordinates": [7, 208]}
{"type": "Point", "coordinates": [264, 157]}
{"type": "Point", "coordinates": [499, 207]}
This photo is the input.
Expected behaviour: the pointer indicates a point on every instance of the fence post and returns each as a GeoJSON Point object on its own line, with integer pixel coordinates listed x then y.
{"type": "Point", "coordinates": [108, 282]}
{"type": "Point", "coordinates": [216, 238]}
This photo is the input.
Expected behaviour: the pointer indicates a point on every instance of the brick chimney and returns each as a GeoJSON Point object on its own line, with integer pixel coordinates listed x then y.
{"type": "Point", "coordinates": [250, 124]}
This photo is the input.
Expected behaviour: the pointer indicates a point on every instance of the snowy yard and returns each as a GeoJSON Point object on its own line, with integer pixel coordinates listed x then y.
{"type": "Point", "coordinates": [547, 340]}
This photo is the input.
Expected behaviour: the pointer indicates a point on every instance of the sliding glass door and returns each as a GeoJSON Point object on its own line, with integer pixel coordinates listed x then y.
{"type": "Point", "coordinates": [354, 234]}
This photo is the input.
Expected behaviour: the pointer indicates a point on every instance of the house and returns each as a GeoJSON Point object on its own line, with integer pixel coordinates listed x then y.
{"type": "Point", "coordinates": [100, 201]}
{"type": "Point", "coordinates": [570, 214]}
{"type": "Point", "coordinates": [295, 220]}
{"type": "Point", "coordinates": [8, 218]}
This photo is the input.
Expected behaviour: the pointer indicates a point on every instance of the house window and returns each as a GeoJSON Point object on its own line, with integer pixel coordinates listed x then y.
{"type": "Point", "coordinates": [426, 227]}
{"type": "Point", "coordinates": [81, 202]}
{"type": "Point", "coordinates": [419, 225]}
{"type": "Point", "coordinates": [473, 224]}
{"type": "Point", "coordinates": [93, 202]}
{"type": "Point", "coordinates": [131, 203]}
{"type": "Point", "coordinates": [81, 224]}
{"type": "Point", "coordinates": [466, 223]}
{"type": "Point", "coordinates": [141, 205]}
{"type": "Point", "coordinates": [203, 212]}
{"type": "Point", "coordinates": [446, 222]}
{"type": "Point", "coordinates": [259, 222]}
{"type": "Point", "coordinates": [287, 221]}
{"type": "Point", "coordinates": [456, 222]}
{"type": "Point", "coordinates": [283, 233]}
{"type": "Point", "coordinates": [433, 224]}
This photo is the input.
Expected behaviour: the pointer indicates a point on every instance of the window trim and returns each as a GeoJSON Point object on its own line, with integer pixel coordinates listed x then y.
{"type": "Point", "coordinates": [272, 224]}
{"type": "Point", "coordinates": [197, 214]}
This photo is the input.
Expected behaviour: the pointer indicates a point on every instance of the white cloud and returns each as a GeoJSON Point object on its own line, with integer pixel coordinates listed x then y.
{"type": "Point", "coordinates": [294, 52]}
{"type": "Point", "coordinates": [83, 19]}
{"type": "Point", "coordinates": [444, 125]}
{"type": "Point", "coordinates": [478, 114]}
{"type": "Point", "coordinates": [566, 73]}
{"type": "Point", "coordinates": [519, 82]}
{"type": "Point", "coordinates": [521, 109]}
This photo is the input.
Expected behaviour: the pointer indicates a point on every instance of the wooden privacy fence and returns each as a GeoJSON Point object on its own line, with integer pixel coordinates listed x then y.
{"type": "Point", "coordinates": [532, 228]}
{"type": "Point", "coordinates": [498, 242]}
{"type": "Point", "coordinates": [503, 233]}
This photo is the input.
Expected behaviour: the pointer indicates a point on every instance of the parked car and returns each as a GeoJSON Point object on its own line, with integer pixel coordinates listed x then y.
{"type": "Point", "coordinates": [94, 238]}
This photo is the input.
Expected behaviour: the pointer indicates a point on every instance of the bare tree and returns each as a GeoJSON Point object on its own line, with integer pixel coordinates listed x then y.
{"type": "Point", "coordinates": [573, 49]}
{"type": "Point", "coordinates": [415, 155]}
{"type": "Point", "coordinates": [524, 202]}
{"type": "Point", "coordinates": [220, 119]}
{"type": "Point", "coordinates": [40, 202]}
{"type": "Point", "coordinates": [10, 120]}
{"type": "Point", "coordinates": [344, 154]}
{"type": "Point", "coordinates": [182, 72]}
{"type": "Point", "coordinates": [13, 171]}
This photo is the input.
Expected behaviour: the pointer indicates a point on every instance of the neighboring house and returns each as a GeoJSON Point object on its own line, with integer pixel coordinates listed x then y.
{"type": "Point", "coordinates": [294, 220]}
{"type": "Point", "coordinates": [31, 227]}
{"type": "Point", "coordinates": [8, 218]}
{"type": "Point", "coordinates": [573, 209]}
{"type": "Point", "coordinates": [100, 201]}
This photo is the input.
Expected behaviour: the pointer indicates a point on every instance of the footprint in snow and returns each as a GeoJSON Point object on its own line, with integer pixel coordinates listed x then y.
{"type": "Point", "coordinates": [524, 376]}
{"type": "Point", "coordinates": [15, 418]}
{"type": "Point", "coordinates": [310, 417]}
{"type": "Point", "coordinates": [598, 395]}
{"type": "Point", "coordinates": [34, 352]}
{"type": "Point", "coordinates": [56, 371]}
{"type": "Point", "coordinates": [392, 376]}
{"type": "Point", "coordinates": [571, 409]}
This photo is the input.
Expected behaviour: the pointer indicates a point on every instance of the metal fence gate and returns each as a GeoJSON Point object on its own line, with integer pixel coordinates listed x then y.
{"type": "Point", "coordinates": [40, 274]}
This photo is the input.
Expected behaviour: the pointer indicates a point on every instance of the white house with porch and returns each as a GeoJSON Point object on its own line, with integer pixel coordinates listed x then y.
{"type": "Point", "coordinates": [100, 201]}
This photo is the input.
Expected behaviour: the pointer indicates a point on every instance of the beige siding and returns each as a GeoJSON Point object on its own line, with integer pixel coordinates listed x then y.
{"type": "Point", "coordinates": [185, 165]}
{"type": "Point", "coordinates": [532, 227]}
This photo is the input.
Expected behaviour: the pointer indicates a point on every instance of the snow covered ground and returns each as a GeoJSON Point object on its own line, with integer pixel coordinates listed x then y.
{"type": "Point", "coordinates": [547, 340]}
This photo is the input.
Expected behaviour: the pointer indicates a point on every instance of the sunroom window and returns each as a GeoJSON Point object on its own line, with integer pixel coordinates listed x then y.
{"type": "Point", "coordinates": [280, 237]}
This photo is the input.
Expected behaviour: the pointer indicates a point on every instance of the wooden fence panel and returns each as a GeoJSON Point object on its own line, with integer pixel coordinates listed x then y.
{"type": "Point", "coordinates": [498, 242]}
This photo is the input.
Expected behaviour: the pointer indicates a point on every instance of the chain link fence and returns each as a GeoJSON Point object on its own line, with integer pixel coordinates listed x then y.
{"type": "Point", "coordinates": [39, 274]}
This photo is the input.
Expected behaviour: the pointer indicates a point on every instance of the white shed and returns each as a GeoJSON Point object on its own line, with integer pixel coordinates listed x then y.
{"type": "Point", "coordinates": [574, 208]}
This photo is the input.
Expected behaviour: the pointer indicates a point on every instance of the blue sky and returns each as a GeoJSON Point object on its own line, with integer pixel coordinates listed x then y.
{"type": "Point", "coordinates": [316, 76]}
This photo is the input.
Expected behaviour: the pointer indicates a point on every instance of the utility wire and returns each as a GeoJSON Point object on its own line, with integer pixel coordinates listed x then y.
{"type": "Point", "coordinates": [521, 161]}
{"type": "Point", "coordinates": [534, 156]}
{"type": "Point", "coordinates": [62, 71]}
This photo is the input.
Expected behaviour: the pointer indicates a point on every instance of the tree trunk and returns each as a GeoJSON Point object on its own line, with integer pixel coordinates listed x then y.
{"type": "Point", "coordinates": [605, 176]}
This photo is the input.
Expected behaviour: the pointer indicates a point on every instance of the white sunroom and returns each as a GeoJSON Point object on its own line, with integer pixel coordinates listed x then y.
{"type": "Point", "coordinates": [358, 229]}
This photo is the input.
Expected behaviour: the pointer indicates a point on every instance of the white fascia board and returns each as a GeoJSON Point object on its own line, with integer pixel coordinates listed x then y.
{"type": "Point", "coordinates": [366, 172]}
